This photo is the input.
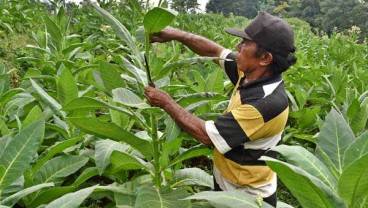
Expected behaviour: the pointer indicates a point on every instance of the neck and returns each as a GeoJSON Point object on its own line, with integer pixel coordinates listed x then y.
{"type": "Point", "coordinates": [256, 74]}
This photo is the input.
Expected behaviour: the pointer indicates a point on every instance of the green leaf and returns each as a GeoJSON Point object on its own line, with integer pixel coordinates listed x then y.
{"type": "Point", "coordinates": [138, 73]}
{"type": "Point", "coordinates": [53, 150]}
{"type": "Point", "coordinates": [85, 175]}
{"type": "Point", "coordinates": [59, 168]}
{"type": "Point", "coordinates": [353, 109]}
{"type": "Point", "coordinates": [172, 130]}
{"type": "Point", "coordinates": [200, 84]}
{"type": "Point", "coordinates": [110, 76]}
{"type": "Point", "coordinates": [124, 200]}
{"type": "Point", "coordinates": [157, 19]}
{"type": "Point", "coordinates": [356, 150]}
{"type": "Point", "coordinates": [119, 29]}
{"type": "Point", "coordinates": [190, 153]}
{"type": "Point", "coordinates": [4, 83]}
{"type": "Point", "coordinates": [4, 130]}
{"type": "Point", "coordinates": [334, 138]}
{"type": "Point", "coordinates": [67, 89]}
{"type": "Point", "coordinates": [110, 130]}
{"type": "Point", "coordinates": [215, 82]}
{"type": "Point", "coordinates": [309, 190]}
{"type": "Point", "coordinates": [128, 98]}
{"type": "Point", "coordinates": [72, 200]}
{"type": "Point", "coordinates": [11, 200]}
{"type": "Point", "coordinates": [192, 177]}
{"type": "Point", "coordinates": [103, 151]}
{"type": "Point", "coordinates": [124, 161]}
{"type": "Point", "coordinates": [34, 115]}
{"type": "Point", "coordinates": [153, 198]}
{"type": "Point", "coordinates": [353, 182]}
{"type": "Point", "coordinates": [55, 32]}
{"type": "Point", "coordinates": [360, 119]}
{"type": "Point", "coordinates": [19, 153]}
{"type": "Point", "coordinates": [49, 195]}
{"type": "Point", "coordinates": [52, 103]}
{"type": "Point", "coordinates": [302, 158]}
{"type": "Point", "coordinates": [4, 98]}
{"type": "Point", "coordinates": [233, 199]}
{"type": "Point", "coordinates": [91, 103]}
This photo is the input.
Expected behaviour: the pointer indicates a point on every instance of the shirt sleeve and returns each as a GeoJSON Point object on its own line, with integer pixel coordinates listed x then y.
{"type": "Point", "coordinates": [234, 128]}
{"type": "Point", "coordinates": [228, 64]}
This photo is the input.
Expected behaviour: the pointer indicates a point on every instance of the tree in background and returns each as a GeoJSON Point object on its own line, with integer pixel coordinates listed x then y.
{"type": "Point", "coordinates": [185, 6]}
{"type": "Point", "coordinates": [343, 14]}
{"type": "Point", "coordinates": [246, 8]}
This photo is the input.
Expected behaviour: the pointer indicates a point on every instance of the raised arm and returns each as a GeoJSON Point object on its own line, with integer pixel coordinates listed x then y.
{"type": "Point", "coordinates": [198, 44]}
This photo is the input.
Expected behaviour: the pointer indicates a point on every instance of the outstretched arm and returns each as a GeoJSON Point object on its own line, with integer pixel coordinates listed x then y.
{"type": "Point", "coordinates": [187, 121]}
{"type": "Point", "coordinates": [198, 44]}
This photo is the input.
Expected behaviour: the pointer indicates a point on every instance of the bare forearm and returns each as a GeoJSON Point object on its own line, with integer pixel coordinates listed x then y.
{"type": "Point", "coordinates": [200, 45]}
{"type": "Point", "coordinates": [188, 122]}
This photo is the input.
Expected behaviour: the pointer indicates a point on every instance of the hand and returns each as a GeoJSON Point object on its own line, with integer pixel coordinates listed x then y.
{"type": "Point", "coordinates": [157, 97]}
{"type": "Point", "coordinates": [165, 35]}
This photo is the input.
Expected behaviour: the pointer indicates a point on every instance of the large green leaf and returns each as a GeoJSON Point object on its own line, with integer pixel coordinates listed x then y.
{"type": "Point", "coordinates": [356, 150]}
{"type": "Point", "coordinates": [49, 195]}
{"type": "Point", "coordinates": [124, 161]}
{"type": "Point", "coordinates": [11, 200]}
{"type": "Point", "coordinates": [52, 103]}
{"type": "Point", "coordinates": [215, 82]}
{"type": "Point", "coordinates": [53, 150]}
{"type": "Point", "coordinates": [229, 199]}
{"type": "Point", "coordinates": [103, 152]}
{"type": "Point", "coordinates": [9, 94]}
{"type": "Point", "coordinates": [72, 200]}
{"type": "Point", "coordinates": [154, 198]}
{"type": "Point", "coordinates": [4, 130]}
{"type": "Point", "coordinates": [19, 153]}
{"type": "Point", "coordinates": [334, 138]}
{"type": "Point", "coordinates": [353, 182]}
{"type": "Point", "coordinates": [190, 153]}
{"type": "Point", "coordinates": [309, 190]}
{"type": "Point", "coordinates": [157, 19]}
{"type": "Point", "coordinates": [34, 115]}
{"type": "Point", "coordinates": [55, 32]}
{"type": "Point", "coordinates": [360, 119]}
{"type": "Point", "coordinates": [56, 169]}
{"type": "Point", "coordinates": [91, 103]}
{"type": "Point", "coordinates": [192, 176]}
{"type": "Point", "coordinates": [110, 76]}
{"type": "Point", "coordinates": [172, 129]}
{"type": "Point", "coordinates": [110, 130]}
{"type": "Point", "coordinates": [4, 83]}
{"type": "Point", "coordinates": [85, 175]}
{"type": "Point", "coordinates": [138, 73]}
{"type": "Point", "coordinates": [302, 158]}
{"type": "Point", "coordinates": [67, 89]}
{"type": "Point", "coordinates": [119, 29]}
{"type": "Point", "coordinates": [124, 200]}
{"type": "Point", "coordinates": [128, 98]}
{"type": "Point", "coordinates": [199, 80]}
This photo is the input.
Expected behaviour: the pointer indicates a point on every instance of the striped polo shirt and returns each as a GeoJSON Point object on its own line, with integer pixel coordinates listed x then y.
{"type": "Point", "coordinates": [251, 125]}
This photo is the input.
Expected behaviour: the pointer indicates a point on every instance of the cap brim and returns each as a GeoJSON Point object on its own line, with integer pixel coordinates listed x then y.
{"type": "Point", "coordinates": [237, 32]}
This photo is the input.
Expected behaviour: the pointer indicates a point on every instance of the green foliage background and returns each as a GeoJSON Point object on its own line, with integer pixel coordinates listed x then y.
{"type": "Point", "coordinates": [72, 106]}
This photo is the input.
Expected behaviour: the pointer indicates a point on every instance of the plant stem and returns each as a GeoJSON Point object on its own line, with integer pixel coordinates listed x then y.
{"type": "Point", "coordinates": [156, 152]}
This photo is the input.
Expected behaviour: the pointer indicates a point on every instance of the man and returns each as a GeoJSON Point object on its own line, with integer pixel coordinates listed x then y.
{"type": "Point", "coordinates": [258, 109]}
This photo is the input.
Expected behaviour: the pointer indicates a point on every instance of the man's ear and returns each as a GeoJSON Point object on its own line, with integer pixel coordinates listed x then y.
{"type": "Point", "coordinates": [266, 59]}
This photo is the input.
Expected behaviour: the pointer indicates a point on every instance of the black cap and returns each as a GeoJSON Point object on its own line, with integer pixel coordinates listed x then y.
{"type": "Point", "coordinates": [268, 31]}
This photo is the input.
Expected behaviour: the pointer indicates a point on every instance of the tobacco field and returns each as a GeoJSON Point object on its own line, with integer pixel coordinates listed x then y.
{"type": "Point", "coordinates": [77, 131]}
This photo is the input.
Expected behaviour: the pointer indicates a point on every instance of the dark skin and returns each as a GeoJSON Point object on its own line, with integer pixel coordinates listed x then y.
{"type": "Point", "coordinates": [253, 68]}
